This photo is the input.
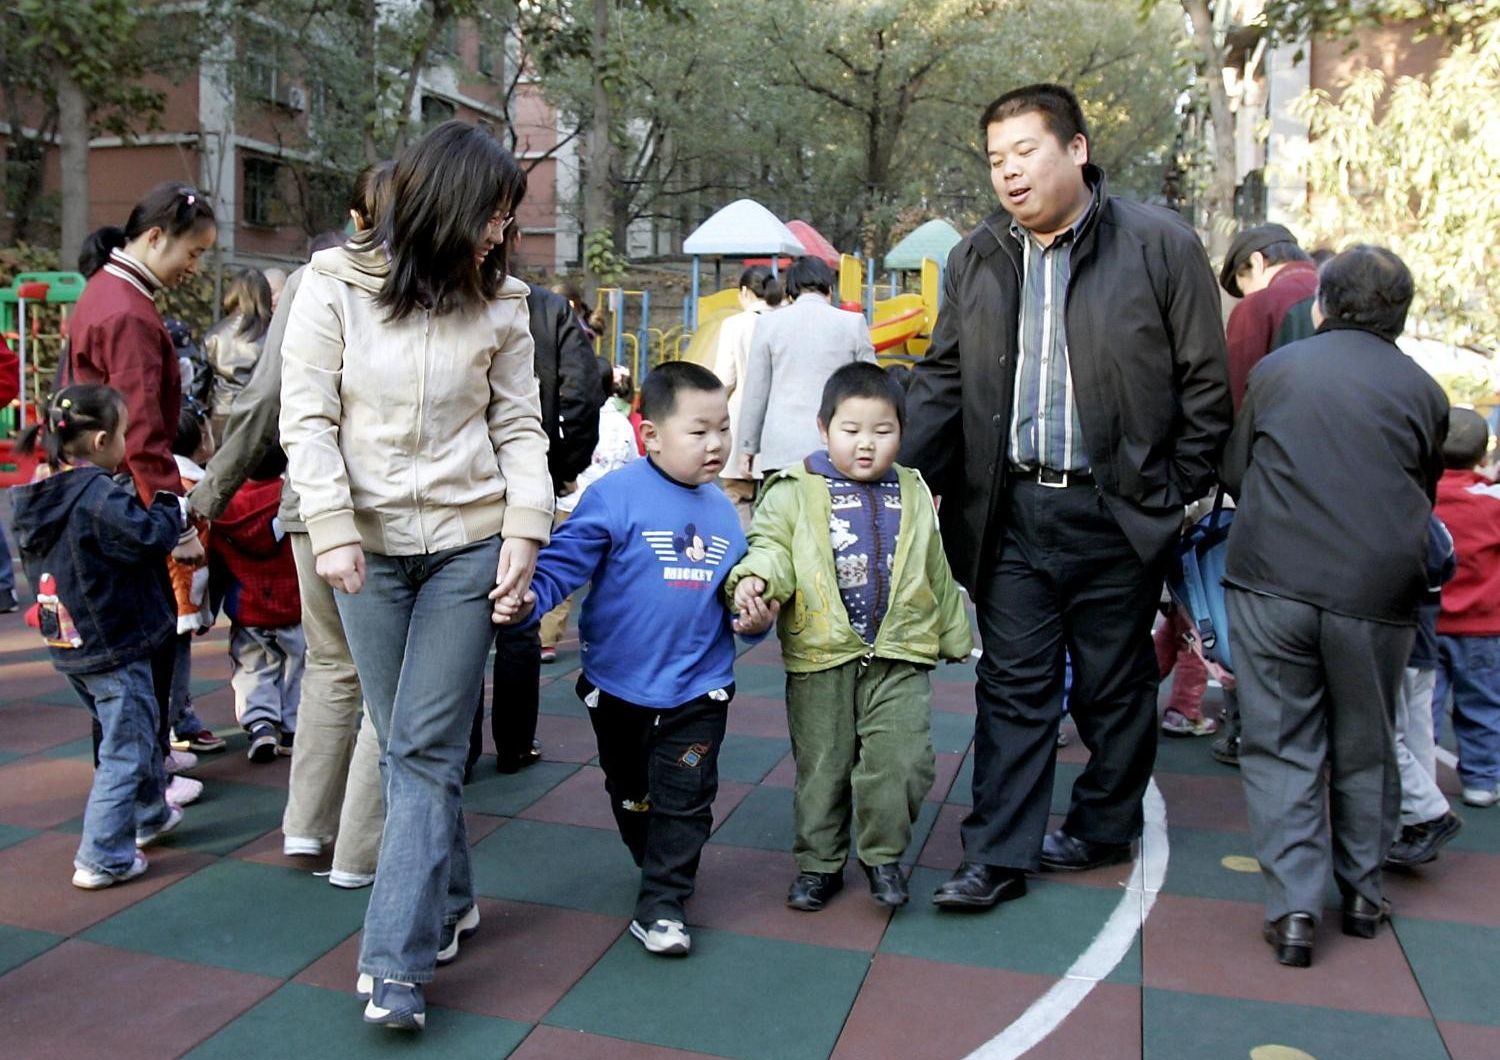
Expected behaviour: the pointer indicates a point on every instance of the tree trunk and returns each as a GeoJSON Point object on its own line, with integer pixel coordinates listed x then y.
{"type": "Point", "coordinates": [598, 148]}
{"type": "Point", "coordinates": [73, 158]}
{"type": "Point", "coordinates": [1220, 197]}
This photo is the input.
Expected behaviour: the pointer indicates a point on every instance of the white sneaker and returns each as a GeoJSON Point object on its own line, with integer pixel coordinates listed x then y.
{"type": "Point", "coordinates": [668, 938]}
{"type": "Point", "coordinates": [364, 986]}
{"type": "Point", "coordinates": [350, 881]}
{"type": "Point", "coordinates": [296, 846]}
{"type": "Point", "coordinates": [183, 791]}
{"type": "Point", "coordinates": [453, 934]}
{"type": "Point", "coordinates": [180, 761]}
{"type": "Point", "coordinates": [93, 880]}
{"type": "Point", "coordinates": [1481, 797]}
{"type": "Point", "coordinates": [174, 818]}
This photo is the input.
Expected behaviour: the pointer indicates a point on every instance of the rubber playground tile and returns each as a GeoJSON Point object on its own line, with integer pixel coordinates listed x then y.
{"type": "Point", "coordinates": [233, 766]}
{"type": "Point", "coordinates": [42, 792]}
{"type": "Point", "coordinates": [17, 946]}
{"type": "Point", "coordinates": [785, 773]}
{"type": "Point", "coordinates": [1466, 1041]}
{"type": "Point", "coordinates": [82, 1000]}
{"type": "Point", "coordinates": [747, 759]}
{"type": "Point", "coordinates": [1190, 755]}
{"type": "Point", "coordinates": [326, 1023]}
{"type": "Point", "coordinates": [7, 757]}
{"type": "Point", "coordinates": [944, 848]}
{"type": "Point", "coordinates": [731, 794]}
{"type": "Point", "coordinates": [735, 996]}
{"type": "Point", "coordinates": [1210, 802]}
{"type": "Point", "coordinates": [37, 894]}
{"type": "Point", "coordinates": [951, 733]}
{"type": "Point", "coordinates": [1456, 967]}
{"type": "Point", "coordinates": [1062, 785]}
{"type": "Point", "coordinates": [744, 891]}
{"type": "Point", "coordinates": [36, 727]}
{"type": "Point", "coordinates": [559, 697]}
{"type": "Point", "coordinates": [763, 820]}
{"type": "Point", "coordinates": [758, 716]}
{"type": "Point", "coordinates": [518, 964]}
{"type": "Point", "coordinates": [555, 864]}
{"type": "Point", "coordinates": [507, 794]}
{"type": "Point", "coordinates": [11, 834]}
{"type": "Point", "coordinates": [1481, 831]}
{"type": "Point", "coordinates": [556, 1043]}
{"type": "Point", "coordinates": [957, 673]}
{"type": "Point", "coordinates": [248, 917]}
{"type": "Point", "coordinates": [1042, 933]}
{"type": "Point", "coordinates": [950, 697]}
{"type": "Point", "coordinates": [1106, 1024]}
{"type": "Point", "coordinates": [228, 816]}
{"type": "Point", "coordinates": [1229, 958]}
{"type": "Point", "coordinates": [565, 738]}
{"type": "Point", "coordinates": [961, 791]}
{"type": "Point", "coordinates": [947, 767]}
{"type": "Point", "coordinates": [1182, 1026]}
{"type": "Point", "coordinates": [266, 850]}
{"type": "Point", "coordinates": [579, 800]}
{"type": "Point", "coordinates": [1207, 864]}
{"type": "Point", "coordinates": [1457, 886]}
{"type": "Point", "coordinates": [83, 748]}
{"type": "Point", "coordinates": [758, 679]}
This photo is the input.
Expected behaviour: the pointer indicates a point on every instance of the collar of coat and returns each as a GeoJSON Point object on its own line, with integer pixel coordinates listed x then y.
{"type": "Point", "coordinates": [994, 230]}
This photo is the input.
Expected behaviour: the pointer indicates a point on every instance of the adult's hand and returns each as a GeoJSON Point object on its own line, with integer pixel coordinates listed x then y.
{"type": "Point", "coordinates": [517, 565]}
{"type": "Point", "coordinates": [343, 568]}
{"type": "Point", "coordinates": [190, 552]}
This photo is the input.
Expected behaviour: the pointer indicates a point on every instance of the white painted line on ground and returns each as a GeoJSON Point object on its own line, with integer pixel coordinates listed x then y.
{"type": "Point", "coordinates": [1109, 947]}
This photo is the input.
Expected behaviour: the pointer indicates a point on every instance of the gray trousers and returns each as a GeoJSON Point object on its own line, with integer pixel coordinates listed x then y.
{"type": "Point", "coordinates": [1317, 697]}
{"type": "Point", "coordinates": [335, 786]}
{"type": "Point", "coordinates": [1416, 751]}
{"type": "Point", "coordinates": [267, 678]}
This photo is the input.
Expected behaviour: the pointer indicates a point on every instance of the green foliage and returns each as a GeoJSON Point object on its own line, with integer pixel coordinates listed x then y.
{"type": "Point", "coordinates": [1297, 20]}
{"type": "Point", "coordinates": [600, 259]}
{"type": "Point", "coordinates": [1414, 165]}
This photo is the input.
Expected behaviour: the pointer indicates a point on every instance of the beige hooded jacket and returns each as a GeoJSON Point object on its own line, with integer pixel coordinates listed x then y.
{"type": "Point", "coordinates": [410, 436]}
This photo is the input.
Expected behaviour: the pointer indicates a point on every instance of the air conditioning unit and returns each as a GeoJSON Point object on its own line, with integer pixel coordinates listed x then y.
{"type": "Point", "coordinates": [292, 97]}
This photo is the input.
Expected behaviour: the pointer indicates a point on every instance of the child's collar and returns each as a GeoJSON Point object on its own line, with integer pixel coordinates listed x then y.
{"type": "Point", "coordinates": [657, 468]}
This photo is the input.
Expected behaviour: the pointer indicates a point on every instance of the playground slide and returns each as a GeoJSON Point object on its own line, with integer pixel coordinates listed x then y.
{"type": "Point", "coordinates": [703, 348]}
{"type": "Point", "coordinates": [897, 320]}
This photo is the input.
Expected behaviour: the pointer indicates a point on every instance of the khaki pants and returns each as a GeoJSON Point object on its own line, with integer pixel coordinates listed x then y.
{"type": "Point", "coordinates": [860, 731]}
{"type": "Point", "coordinates": [335, 784]}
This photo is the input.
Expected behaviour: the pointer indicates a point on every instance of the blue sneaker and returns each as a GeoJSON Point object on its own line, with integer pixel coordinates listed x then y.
{"type": "Point", "coordinates": [453, 933]}
{"type": "Point", "coordinates": [395, 1004]}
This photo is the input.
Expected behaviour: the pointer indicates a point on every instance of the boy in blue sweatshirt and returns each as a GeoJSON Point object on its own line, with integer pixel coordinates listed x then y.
{"type": "Point", "coordinates": [657, 539]}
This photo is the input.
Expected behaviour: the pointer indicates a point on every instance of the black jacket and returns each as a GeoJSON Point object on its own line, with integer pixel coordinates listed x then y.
{"type": "Point", "coordinates": [1335, 460]}
{"type": "Point", "coordinates": [108, 556]}
{"type": "Point", "coordinates": [568, 377]}
{"type": "Point", "coordinates": [1150, 376]}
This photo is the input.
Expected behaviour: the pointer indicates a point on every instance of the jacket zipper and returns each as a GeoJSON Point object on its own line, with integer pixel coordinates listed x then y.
{"type": "Point", "coordinates": [882, 589]}
{"type": "Point", "coordinates": [416, 485]}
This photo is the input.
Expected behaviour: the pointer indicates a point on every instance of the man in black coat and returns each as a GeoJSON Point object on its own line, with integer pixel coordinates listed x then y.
{"type": "Point", "coordinates": [1074, 400]}
{"type": "Point", "coordinates": [569, 385]}
{"type": "Point", "coordinates": [1335, 460]}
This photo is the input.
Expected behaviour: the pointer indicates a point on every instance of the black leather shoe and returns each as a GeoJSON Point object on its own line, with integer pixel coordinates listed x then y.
{"type": "Point", "coordinates": [515, 763]}
{"type": "Point", "coordinates": [976, 886]}
{"type": "Point", "coordinates": [1292, 939]}
{"type": "Point", "coordinates": [1226, 749]}
{"type": "Point", "coordinates": [1420, 843]}
{"type": "Point", "coordinates": [810, 891]}
{"type": "Point", "coordinates": [1362, 917]}
{"type": "Point", "coordinates": [887, 885]}
{"type": "Point", "coordinates": [1064, 853]}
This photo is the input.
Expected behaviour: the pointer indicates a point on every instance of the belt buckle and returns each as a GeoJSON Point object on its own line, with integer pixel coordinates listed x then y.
{"type": "Point", "coordinates": [1052, 479]}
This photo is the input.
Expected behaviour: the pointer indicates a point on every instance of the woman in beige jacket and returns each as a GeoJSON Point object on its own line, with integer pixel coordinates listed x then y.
{"type": "Point", "coordinates": [412, 425]}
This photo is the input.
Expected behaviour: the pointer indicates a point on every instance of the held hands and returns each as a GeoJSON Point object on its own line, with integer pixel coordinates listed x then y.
{"type": "Point", "coordinates": [517, 565]}
{"type": "Point", "coordinates": [512, 608]}
{"type": "Point", "coordinates": [343, 568]}
{"type": "Point", "coordinates": [755, 615]}
{"type": "Point", "coordinates": [190, 552]}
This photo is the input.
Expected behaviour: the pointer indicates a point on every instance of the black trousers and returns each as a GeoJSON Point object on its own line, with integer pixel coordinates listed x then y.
{"type": "Point", "coordinates": [1065, 579]}
{"type": "Point", "coordinates": [661, 770]}
{"type": "Point", "coordinates": [516, 696]}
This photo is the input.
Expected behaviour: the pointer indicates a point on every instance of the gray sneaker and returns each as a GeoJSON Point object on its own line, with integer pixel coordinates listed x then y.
{"type": "Point", "coordinates": [666, 938]}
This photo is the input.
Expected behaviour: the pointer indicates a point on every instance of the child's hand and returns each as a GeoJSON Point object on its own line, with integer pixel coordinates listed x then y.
{"type": "Point", "coordinates": [750, 588]}
{"type": "Point", "coordinates": [511, 608]}
{"type": "Point", "coordinates": [756, 616]}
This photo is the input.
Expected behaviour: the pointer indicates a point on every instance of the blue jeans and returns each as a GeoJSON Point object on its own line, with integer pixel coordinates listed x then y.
{"type": "Point", "coordinates": [128, 780]}
{"type": "Point", "coordinates": [182, 718]}
{"type": "Point", "coordinates": [7, 569]}
{"type": "Point", "coordinates": [419, 632]}
{"type": "Point", "coordinates": [1469, 667]}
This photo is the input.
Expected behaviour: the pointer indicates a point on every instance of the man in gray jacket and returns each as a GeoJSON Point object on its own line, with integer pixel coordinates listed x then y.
{"type": "Point", "coordinates": [792, 354]}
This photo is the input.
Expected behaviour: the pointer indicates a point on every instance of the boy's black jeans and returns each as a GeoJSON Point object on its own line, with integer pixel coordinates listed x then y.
{"type": "Point", "coordinates": [661, 769]}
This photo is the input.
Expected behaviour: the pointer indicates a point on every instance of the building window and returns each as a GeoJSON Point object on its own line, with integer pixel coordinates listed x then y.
{"type": "Point", "coordinates": [263, 203]}
{"type": "Point", "coordinates": [435, 111]}
{"type": "Point", "coordinates": [486, 59]}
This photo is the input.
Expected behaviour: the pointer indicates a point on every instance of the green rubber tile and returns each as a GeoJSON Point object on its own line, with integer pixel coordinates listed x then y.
{"type": "Point", "coordinates": [762, 820]}
{"type": "Point", "coordinates": [244, 916]}
{"type": "Point", "coordinates": [17, 946]}
{"type": "Point", "coordinates": [1189, 755]}
{"type": "Point", "coordinates": [1178, 1026]}
{"type": "Point", "coordinates": [1208, 864]}
{"type": "Point", "coordinates": [557, 864]}
{"type": "Point", "coordinates": [559, 697]}
{"type": "Point", "coordinates": [1062, 786]}
{"type": "Point", "coordinates": [1481, 831]}
{"type": "Point", "coordinates": [9, 756]}
{"type": "Point", "coordinates": [80, 748]}
{"type": "Point", "coordinates": [962, 791]}
{"type": "Point", "coordinates": [11, 834]}
{"type": "Point", "coordinates": [1042, 933]}
{"type": "Point", "coordinates": [734, 996]}
{"type": "Point", "coordinates": [748, 759]}
{"type": "Point", "coordinates": [951, 733]}
{"type": "Point", "coordinates": [1456, 967]}
{"type": "Point", "coordinates": [759, 679]}
{"type": "Point", "coordinates": [959, 673]}
{"type": "Point", "coordinates": [308, 1021]}
{"type": "Point", "coordinates": [505, 795]}
{"type": "Point", "coordinates": [228, 816]}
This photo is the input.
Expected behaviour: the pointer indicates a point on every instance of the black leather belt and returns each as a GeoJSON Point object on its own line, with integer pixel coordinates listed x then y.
{"type": "Point", "coordinates": [1050, 477]}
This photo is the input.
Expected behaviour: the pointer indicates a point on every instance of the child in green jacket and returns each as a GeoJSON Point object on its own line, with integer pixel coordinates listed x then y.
{"type": "Point", "coordinates": [848, 542]}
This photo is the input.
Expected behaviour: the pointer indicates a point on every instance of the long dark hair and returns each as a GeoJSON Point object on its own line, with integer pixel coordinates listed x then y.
{"type": "Point", "coordinates": [177, 209]}
{"type": "Point", "coordinates": [445, 189]}
{"type": "Point", "coordinates": [371, 195]}
{"type": "Point", "coordinates": [248, 293]}
{"type": "Point", "coordinates": [75, 411]}
{"type": "Point", "coordinates": [759, 281]}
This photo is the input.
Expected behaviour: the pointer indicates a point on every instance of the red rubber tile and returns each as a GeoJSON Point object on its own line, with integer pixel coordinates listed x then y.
{"type": "Point", "coordinates": [1457, 886]}
{"type": "Point", "coordinates": [82, 999]}
{"type": "Point", "coordinates": [1227, 957]}
{"type": "Point", "coordinates": [954, 697]}
{"type": "Point", "coordinates": [1195, 801]}
{"type": "Point", "coordinates": [234, 766]}
{"type": "Point", "coordinates": [1106, 1024]}
{"type": "Point", "coordinates": [1465, 1041]}
{"type": "Point", "coordinates": [743, 890]}
{"type": "Point", "coordinates": [44, 792]}
{"type": "Point", "coordinates": [948, 766]}
{"type": "Point", "coordinates": [784, 775]}
{"type": "Point", "coordinates": [758, 716]}
{"type": "Point", "coordinates": [578, 800]}
{"type": "Point", "coordinates": [27, 728]}
{"type": "Point", "coordinates": [565, 738]}
{"type": "Point", "coordinates": [37, 893]}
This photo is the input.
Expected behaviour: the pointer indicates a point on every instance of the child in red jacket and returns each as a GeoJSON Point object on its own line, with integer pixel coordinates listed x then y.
{"type": "Point", "coordinates": [252, 558]}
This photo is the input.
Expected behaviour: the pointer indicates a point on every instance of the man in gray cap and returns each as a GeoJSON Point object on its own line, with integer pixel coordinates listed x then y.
{"type": "Point", "coordinates": [1276, 283]}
